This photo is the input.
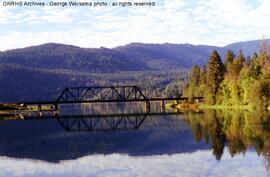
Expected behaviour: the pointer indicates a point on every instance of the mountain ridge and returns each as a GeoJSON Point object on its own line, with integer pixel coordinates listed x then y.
{"type": "Point", "coordinates": [130, 57]}
{"type": "Point", "coordinates": [41, 72]}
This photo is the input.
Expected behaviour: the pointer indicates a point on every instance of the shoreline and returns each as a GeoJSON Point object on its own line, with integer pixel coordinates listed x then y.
{"type": "Point", "coordinates": [192, 106]}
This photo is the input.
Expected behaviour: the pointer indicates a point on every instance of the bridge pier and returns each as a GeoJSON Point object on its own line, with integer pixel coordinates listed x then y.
{"type": "Point", "coordinates": [56, 108]}
{"type": "Point", "coordinates": [147, 106]}
{"type": "Point", "coordinates": [39, 110]}
{"type": "Point", "coordinates": [163, 104]}
{"type": "Point", "coordinates": [39, 107]}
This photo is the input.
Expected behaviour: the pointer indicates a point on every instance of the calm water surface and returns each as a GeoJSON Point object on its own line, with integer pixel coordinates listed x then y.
{"type": "Point", "coordinates": [209, 143]}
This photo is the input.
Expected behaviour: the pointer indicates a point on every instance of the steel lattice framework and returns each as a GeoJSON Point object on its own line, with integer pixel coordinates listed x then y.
{"type": "Point", "coordinates": [101, 94]}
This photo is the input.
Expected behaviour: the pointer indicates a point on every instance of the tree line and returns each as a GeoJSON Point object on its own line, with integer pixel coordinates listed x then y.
{"type": "Point", "coordinates": [235, 80]}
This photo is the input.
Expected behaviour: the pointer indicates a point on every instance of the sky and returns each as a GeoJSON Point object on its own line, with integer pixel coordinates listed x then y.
{"type": "Point", "coordinates": [210, 22]}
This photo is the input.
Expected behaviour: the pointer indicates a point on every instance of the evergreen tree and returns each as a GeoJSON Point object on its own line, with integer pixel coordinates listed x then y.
{"type": "Point", "coordinates": [229, 57]}
{"type": "Point", "coordinates": [240, 57]}
{"type": "Point", "coordinates": [203, 75]}
{"type": "Point", "coordinates": [203, 81]}
{"type": "Point", "coordinates": [214, 76]}
{"type": "Point", "coordinates": [254, 57]}
{"type": "Point", "coordinates": [195, 76]}
{"type": "Point", "coordinates": [194, 82]}
{"type": "Point", "coordinates": [235, 68]}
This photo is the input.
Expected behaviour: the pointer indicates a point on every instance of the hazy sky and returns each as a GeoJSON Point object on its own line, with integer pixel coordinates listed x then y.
{"type": "Point", "coordinates": [212, 22]}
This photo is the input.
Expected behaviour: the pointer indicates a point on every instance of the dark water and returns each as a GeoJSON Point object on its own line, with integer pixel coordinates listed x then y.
{"type": "Point", "coordinates": [127, 141]}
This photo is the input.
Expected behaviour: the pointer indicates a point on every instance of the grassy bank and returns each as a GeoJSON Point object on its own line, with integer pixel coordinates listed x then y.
{"type": "Point", "coordinates": [184, 106]}
{"type": "Point", "coordinates": [8, 107]}
{"type": "Point", "coordinates": [193, 106]}
{"type": "Point", "coordinates": [234, 107]}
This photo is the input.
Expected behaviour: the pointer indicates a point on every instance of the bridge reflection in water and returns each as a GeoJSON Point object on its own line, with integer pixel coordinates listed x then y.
{"type": "Point", "coordinates": [45, 138]}
{"type": "Point", "coordinates": [109, 122]}
{"type": "Point", "coordinates": [101, 123]}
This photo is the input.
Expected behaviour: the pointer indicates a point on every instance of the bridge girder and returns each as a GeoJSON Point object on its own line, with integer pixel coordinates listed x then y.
{"type": "Point", "coordinates": [112, 93]}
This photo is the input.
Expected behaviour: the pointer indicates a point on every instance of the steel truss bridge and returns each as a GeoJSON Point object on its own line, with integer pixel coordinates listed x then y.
{"type": "Point", "coordinates": [109, 94]}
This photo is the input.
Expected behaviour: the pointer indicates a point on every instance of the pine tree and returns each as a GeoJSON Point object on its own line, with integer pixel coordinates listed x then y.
{"type": "Point", "coordinates": [229, 57]}
{"type": "Point", "coordinates": [241, 57]}
{"type": "Point", "coordinates": [203, 75]}
{"type": "Point", "coordinates": [264, 59]}
{"type": "Point", "coordinates": [194, 80]}
{"type": "Point", "coordinates": [195, 76]}
{"type": "Point", "coordinates": [215, 75]}
{"type": "Point", "coordinates": [203, 81]}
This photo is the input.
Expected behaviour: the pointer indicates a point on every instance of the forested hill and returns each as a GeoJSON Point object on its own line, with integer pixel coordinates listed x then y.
{"type": "Point", "coordinates": [248, 47]}
{"type": "Point", "coordinates": [132, 57]}
{"type": "Point", "coordinates": [67, 57]}
{"type": "Point", "coordinates": [170, 56]}
{"type": "Point", "coordinates": [41, 72]}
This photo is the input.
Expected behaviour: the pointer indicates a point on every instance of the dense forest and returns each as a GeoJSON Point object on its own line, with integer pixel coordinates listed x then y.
{"type": "Point", "coordinates": [239, 80]}
{"type": "Point", "coordinates": [41, 72]}
{"type": "Point", "coordinates": [133, 57]}
{"type": "Point", "coordinates": [27, 84]}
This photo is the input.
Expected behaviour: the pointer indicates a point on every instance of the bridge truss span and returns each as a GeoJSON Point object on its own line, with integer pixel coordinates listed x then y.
{"type": "Point", "coordinates": [101, 94]}
{"type": "Point", "coordinates": [107, 94]}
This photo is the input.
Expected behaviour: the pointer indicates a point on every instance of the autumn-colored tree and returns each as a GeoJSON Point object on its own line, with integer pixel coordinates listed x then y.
{"type": "Point", "coordinates": [229, 57]}
{"type": "Point", "coordinates": [239, 81]}
{"type": "Point", "coordinates": [194, 81]}
{"type": "Point", "coordinates": [203, 75]}
{"type": "Point", "coordinates": [214, 76]}
{"type": "Point", "coordinates": [240, 56]}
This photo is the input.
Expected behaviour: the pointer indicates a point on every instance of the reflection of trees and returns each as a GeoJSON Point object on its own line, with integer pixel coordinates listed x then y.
{"type": "Point", "coordinates": [208, 126]}
{"type": "Point", "coordinates": [237, 130]}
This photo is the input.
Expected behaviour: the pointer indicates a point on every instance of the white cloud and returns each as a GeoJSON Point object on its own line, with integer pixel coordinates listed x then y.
{"type": "Point", "coordinates": [212, 22]}
{"type": "Point", "coordinates": [200, 163]}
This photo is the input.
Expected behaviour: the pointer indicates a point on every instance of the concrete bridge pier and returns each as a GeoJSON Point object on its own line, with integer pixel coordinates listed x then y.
{"type": "Point", "coordinates": [163, 104]}
{"type": "Point", "coordinates": [39, 110]}
{"type": "Point", "coordinates": [147, 106]}
{"type": "Point", "coordinates": [56, 109]}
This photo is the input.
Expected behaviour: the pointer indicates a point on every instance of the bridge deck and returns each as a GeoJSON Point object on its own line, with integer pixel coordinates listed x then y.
{"type": "Point", "coordinates": [106, 101]}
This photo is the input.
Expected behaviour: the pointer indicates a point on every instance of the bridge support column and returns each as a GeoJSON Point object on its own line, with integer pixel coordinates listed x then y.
{"type": "Point", "coordinates": [147, 106]}
{"type": "Point", "coordinates": [39, 110]}
{"type": "Point", "coordinates": [163, 105]}
{"type": "Point", "coordinates": [56, 108]}
{"type": "Point", "coordinates": [39, 107]}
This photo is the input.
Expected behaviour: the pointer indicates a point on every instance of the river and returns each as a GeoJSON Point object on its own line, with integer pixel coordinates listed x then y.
{"type": "Point", "coordinates": [129, 142]}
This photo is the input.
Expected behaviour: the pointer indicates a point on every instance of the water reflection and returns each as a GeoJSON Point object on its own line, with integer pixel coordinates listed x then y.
{"type": "Point", "coordinates": [102, 123]}
{"type": "Point", "coordinates": [113, 122]}
{"type": "Point", "coordinates": [239, 131]}
{"type": "Point", "coordinates": [146, 134]}
{"type": "Point", "coordinates": [45, 139]}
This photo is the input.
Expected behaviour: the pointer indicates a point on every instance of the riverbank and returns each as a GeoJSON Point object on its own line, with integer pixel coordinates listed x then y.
{"type": "Point", "coordinates": [184, 106]}
{"type": "Point", "coordinates": [7, 107]}
{"type": "Point", "coordinates": [192, 106]}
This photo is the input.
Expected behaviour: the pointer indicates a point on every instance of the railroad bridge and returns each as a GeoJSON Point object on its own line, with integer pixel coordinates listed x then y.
{"type": "Point", "coordinates": [108, 94]}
